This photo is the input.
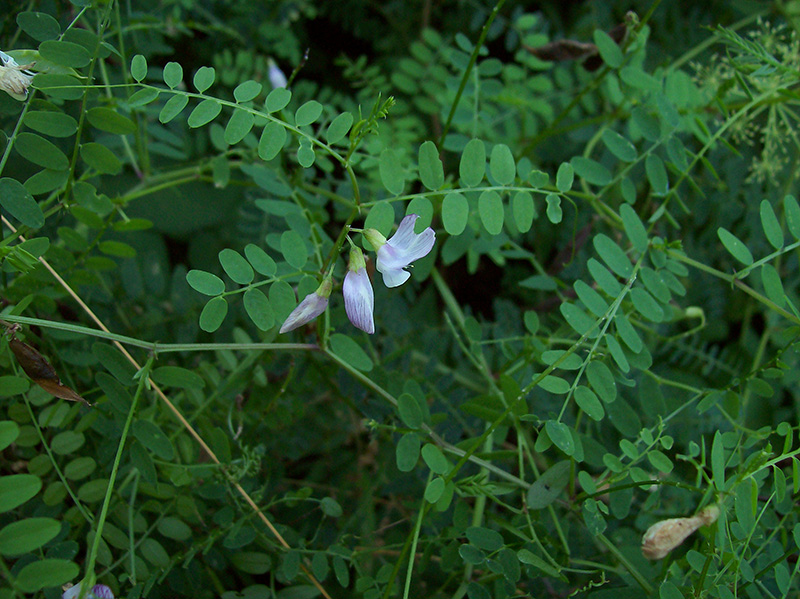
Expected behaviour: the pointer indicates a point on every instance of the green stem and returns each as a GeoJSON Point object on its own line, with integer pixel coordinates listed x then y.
{"type": "Point", "coordinates": [98, 533]}
{"type": "Point", "coordinates": [632, 570]}
{"type": "Point", "coordinates": [415, 539]}
{"type": "Point", "coordinates": [472, 59]}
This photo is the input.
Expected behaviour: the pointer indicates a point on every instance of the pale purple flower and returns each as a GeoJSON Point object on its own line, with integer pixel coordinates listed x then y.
{"type": "Point", "coordinates": [359, 300]}
{"type": "Point", "coordinates": [14, 79]}
{"type": "Point", "coordinates": [312, 306]}
{"type": "Point", "coordinates": [403, 248]}
{"type": "Point", "coordinates": [98, 591]}
{"type": "Point", "coordinates": [276, 77]}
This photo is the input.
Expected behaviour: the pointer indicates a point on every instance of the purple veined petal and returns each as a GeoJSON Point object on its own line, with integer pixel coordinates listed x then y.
{"type": "Point", "coordinates": [359, 300]}
{"type": "Point", "coordinates": [101, 591]}
{"type": "Point", "coordinates": [394, 274]}
{"type": "Point", "coordinates": [98, 591]}
{"type": "Point", "coordinates": [404, 235]}
{"type": "Point", "coordinates": [312, 306]}
{"type": "Point", "coordinates": [402, 249]}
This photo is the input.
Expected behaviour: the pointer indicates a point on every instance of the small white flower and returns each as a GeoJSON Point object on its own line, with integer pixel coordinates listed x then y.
{"type": "Point", "coordinates": [312, 306]}
{"type": "Point", "coordinates": [276, 77]}
{"type": "Point", "coordinates": [359, 300]}
{"type": "Point", "coordinates": [14, 79]}
{"type": "Point", "coordinates": [403, 248]}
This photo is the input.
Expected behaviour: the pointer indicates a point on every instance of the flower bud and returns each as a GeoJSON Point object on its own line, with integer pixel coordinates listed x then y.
{"type": "Point", "coordinates": [312, 306]}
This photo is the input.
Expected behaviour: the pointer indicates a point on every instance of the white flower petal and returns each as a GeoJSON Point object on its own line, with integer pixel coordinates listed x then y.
{"type": "Point", "coordinates": [402, 249]}
{"type": "Point", "coordinates": [359, 300]}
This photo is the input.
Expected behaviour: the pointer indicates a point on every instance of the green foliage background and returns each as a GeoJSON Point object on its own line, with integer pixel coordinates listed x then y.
{"type": "Point", "coordinates": [605, 335]}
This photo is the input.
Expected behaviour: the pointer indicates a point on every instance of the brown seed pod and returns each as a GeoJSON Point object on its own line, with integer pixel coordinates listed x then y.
{"type": "Point", "coordinates": [664, 536]}
{"type": "Point", "coordinates": [41, 372]}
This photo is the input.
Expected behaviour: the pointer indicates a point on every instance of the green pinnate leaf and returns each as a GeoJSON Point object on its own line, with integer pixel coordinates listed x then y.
{"type": "Point", "coordinates": [246, 91]}
{"type": "Point", "coordinates": [27, 535]}
{"type": "Point", "coordinates": [634, 228]}
{"type": "Point", "coordinates": [41, 152]}
{"type": "Point", "coordinates": [305, 154]}
{"type": "Point", "coordinates": [602, 380]}
{"type": "Point", "coordinates": [490, 209]}
{"type": "Point", "coordinates": [407, 452]}
{"type": "Point", "coordinates": [613, 256]}
{"type": "Point", "coordinates": [236, 267]}
{"type": "Point", "coordinates": [771, 226]}
{"type": "Point", "coordinates": [502, 165]}
{"type": "Point", "coordinates": [735, 246]}
{"type": "Point", "coordinates": [391, 173]}
{"type": "Point", "coordinates": [591, 171]}
{"type": "Point", "coordinates": [19, 203]}
{"type": "Point", "coordinates": [65, 54]}
{"type": "Point", "coordinates": [308, 113]}
{"type": "Point", "coordinates": [609, 51]}
{"type": "Point", "coordinates": [171, 376]}
{"type": "Point", "coordinates": [472, 166]}
{"type": "Point", "coordinates": [523, 210]}
{"type": "Point", "coordinates": [294, 249]}
{"type": "Point", "coordinates": [205, 282]}
{"type": "Point", "coordinates": [588, 402]}
{"type": "Point", "coordinates": [431, 171]}
{"type": "Point", "coordinates": [773, 286]}
{"type": "Point", "coordinates": [434, 459]}
{"type": "Point", "coordinates": [139, 67]}
{"type": "Point", "coordinates": [278, 99]}
{"type": "Point", "coordinates": [52, 123]}
{"type": "Point", "coordinates": [619, 146]}
{"type": "Point", "coordinates": [110, 121]}
{"type": "Point", "coordinates": [593, 301]}
{"type": "Point", "coordinates": [409, 410]}
{"type": "Point", "coordinates": [48, 572]}
{"type": "Point", "coordinates": [792, 211]}
{"type": "Point", "coordinates": [546, 489]}
{"type": "Point", "coordinates": [239, 125]}
{"type": "Point", "coordinates": [657, 174]}
{"type": "Point", "coordinates": [204, 78]}
{"type": "Point", "coordinates": [455, 212]}
{"type": "Point", "coordinates": [40, 26]}
{"type": "Point", "coordinates": [646, 305]}
{"type": "Point", "coordinates": [16, 489]}
{"type": "Point", "coordinates": [554, 212]}
{"type": "Point", "coordinates": [100, 158]}
{"type": "Point", "coordinates": [339, 127]}
{"type": "Point", "coordinates": [173, 74]}
{"type": "Point", "coordinates": [205, 112]}
{"type": "Point", "coordinates": [258, 308]}
{"type": "Point", "coordinates": [273, 137]}
{"type": "Point", "coordinates": [351, 352]}
{"type": "Point", "coordinates": [484, 538]}
{"type": "Point", "coordinates": [380, 217]}
{"type": "Point", "coordinates": [172, 108]}
{"type": "Point", "coordinates": [260, 260]}
{"type": "Point", "coordinates": [565, 177]}
{"type": "Point", "coordinates": [213, 314]}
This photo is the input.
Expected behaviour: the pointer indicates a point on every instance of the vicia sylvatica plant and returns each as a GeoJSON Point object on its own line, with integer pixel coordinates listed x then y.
{"type": "Point", "coordinates": [438, 300]}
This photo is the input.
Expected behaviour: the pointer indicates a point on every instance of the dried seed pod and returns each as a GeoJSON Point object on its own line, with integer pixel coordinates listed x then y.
{"type": "Point", "coordinates": [41, 372]}
{"type": "Point", "coordinates": [664, 536]}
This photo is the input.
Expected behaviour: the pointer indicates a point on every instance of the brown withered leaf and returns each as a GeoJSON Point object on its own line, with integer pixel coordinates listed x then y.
{"type": "Point", "coordinates": [567, 49]}
{"type": "Point", "coordinates": [41, 372]}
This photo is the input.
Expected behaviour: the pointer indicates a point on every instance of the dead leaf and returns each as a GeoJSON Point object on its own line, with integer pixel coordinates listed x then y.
{"type": "Point", "coordinates": [41, 372]}
{"type": "Point", "coordinates": [567, 49]}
